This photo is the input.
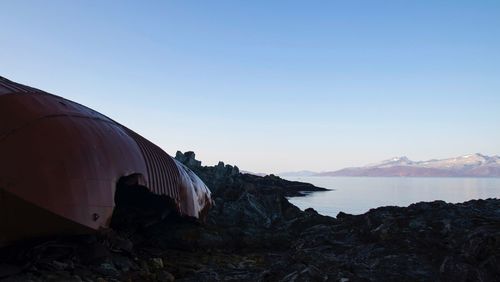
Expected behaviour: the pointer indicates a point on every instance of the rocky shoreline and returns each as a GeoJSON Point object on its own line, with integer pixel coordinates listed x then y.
{"type": "Point", "coordinates": [254, 234]}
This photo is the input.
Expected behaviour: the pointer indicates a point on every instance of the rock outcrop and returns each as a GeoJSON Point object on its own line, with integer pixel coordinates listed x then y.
{"type": "Point", "coordinates": [188, 158]}
{"type": "Point", "coordinates": [254, 234]}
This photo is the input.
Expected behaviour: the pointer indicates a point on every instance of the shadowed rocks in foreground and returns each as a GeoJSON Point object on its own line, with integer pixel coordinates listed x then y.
{"type": "Point", "coordinates": [254, 234]}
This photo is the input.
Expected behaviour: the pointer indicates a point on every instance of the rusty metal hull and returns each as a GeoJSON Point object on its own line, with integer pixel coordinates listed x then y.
{"type": "Point", "coordinates": [63, 160]}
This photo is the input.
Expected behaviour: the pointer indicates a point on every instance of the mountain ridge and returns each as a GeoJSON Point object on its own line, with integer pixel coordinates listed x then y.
{"type": "Point", "coordinates": [471, 165]}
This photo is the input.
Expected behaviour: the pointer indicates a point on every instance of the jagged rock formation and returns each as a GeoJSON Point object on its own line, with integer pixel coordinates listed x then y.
{"type": "Point", "coordinates": [188, 158]}
{"type": "Point", "coordinates": [222, 176]}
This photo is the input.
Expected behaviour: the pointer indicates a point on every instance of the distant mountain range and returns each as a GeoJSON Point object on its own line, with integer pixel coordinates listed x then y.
{"type": "Point", "coordinates": [475, 165]}
{"type": "Point", "coordinates": [301, 173]}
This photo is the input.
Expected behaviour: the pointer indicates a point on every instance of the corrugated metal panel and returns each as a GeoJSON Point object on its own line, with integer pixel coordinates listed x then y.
{"type": "Point", "coordinates": [163, 175]}
{"type": "Point", "coordinates": [7, 87]}
{"type": "Point", "coordinates": [67, 164]}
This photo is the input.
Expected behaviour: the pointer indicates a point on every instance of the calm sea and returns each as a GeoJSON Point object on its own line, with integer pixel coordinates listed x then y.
{"type": "Point", "coordinates": [356, 195]}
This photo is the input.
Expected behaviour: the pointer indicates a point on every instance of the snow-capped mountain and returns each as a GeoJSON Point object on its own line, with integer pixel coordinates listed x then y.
{"type": "Point", "coordinates": [397, 161]}
{"type": "Point", "coordinates": [463, 162]}
{"type": "Point", "coordinates": [476, 165]}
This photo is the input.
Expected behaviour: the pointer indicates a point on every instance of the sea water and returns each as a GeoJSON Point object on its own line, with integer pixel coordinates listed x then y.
{"type": "Point", "coordinates": [356, 195]}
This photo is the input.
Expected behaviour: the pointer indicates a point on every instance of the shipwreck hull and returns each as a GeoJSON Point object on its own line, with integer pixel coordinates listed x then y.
{"type": "Point", "coordinates": [63, 160]}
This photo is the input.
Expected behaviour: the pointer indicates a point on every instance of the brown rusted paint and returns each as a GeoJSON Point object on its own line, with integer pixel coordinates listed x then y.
{"type": "Point", "coordinates": [65, 159]}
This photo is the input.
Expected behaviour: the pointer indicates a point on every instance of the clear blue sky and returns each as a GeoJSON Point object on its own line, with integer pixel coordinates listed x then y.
{"type": "Point", "coordinates": [272, 85]}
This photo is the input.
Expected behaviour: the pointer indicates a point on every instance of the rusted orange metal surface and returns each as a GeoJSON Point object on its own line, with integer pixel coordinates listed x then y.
{"type": "Point", "coordinates": [60, 163]}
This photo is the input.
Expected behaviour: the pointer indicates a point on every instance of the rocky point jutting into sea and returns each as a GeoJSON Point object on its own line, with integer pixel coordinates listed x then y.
{"type": "Point", "coordinates": [254, 234]}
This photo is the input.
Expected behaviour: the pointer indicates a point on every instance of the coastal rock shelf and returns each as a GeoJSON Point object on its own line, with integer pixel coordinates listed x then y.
{"type": "Point", "coordinates": [254, 234]}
